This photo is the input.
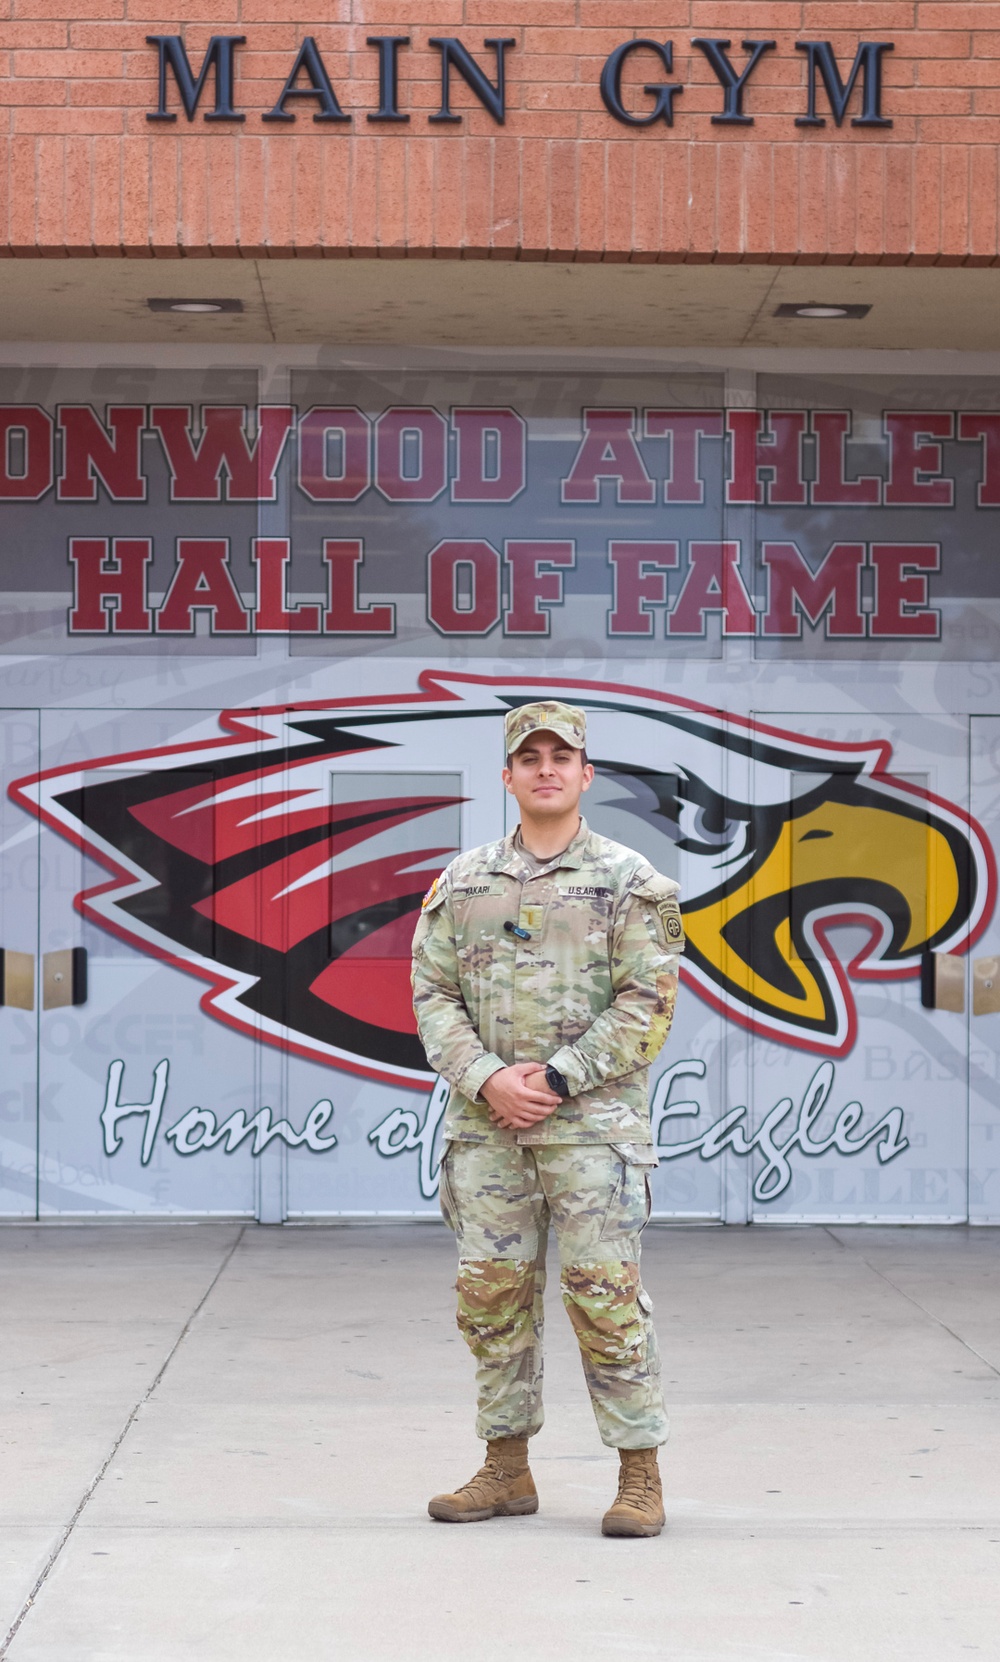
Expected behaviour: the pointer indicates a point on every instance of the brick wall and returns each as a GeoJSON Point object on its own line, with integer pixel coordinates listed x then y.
{"type": "Point", "coordinates": [83, 172]}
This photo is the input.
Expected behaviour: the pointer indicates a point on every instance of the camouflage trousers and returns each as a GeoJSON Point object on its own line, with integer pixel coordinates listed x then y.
{"type": "Point", "coordinates": [499, 1201]}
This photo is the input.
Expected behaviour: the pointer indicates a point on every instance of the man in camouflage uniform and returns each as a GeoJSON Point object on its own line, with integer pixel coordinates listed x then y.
{"type": "Point", "coordinates": [544, 981]}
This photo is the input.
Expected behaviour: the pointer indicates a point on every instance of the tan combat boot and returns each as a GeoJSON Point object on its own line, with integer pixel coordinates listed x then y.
{"type": "Point", "coordinates": [638, 1507]}
{"type": "Point", "coordinates": [502, 1488]}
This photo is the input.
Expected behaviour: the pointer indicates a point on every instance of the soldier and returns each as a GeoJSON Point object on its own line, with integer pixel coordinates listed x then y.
{"type": "Point", "coordinates": [544, 982]}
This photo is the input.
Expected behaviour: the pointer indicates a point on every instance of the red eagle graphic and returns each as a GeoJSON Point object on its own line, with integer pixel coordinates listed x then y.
{"type": "Point", "coordinates": [234, 859]}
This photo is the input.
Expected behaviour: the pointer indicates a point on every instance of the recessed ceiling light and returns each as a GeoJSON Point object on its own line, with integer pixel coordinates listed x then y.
{"type": "Point", "coordinates": [182, 305]}
{"type": "Point", "coordinates": [820, 309]}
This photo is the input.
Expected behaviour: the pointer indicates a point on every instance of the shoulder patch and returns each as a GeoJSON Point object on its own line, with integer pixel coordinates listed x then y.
{"type": "Point", "coordinates": [433, 897]}
{"type": "Point", "coordinates": [662, 892]}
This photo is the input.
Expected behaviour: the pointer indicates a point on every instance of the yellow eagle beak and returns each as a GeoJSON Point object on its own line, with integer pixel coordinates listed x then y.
{"type": "Point", "coordinates": [753, 942]}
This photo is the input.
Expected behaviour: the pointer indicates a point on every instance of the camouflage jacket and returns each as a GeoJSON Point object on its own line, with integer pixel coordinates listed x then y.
{"type": "Point", "coordinates": [592, 991]}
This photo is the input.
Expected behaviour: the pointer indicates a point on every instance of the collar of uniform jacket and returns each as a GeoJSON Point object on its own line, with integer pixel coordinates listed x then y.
{"type": "Point", "coordinates": [508, 859]}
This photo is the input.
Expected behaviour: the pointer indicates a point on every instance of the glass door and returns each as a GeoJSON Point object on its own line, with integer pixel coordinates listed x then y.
{"type": "Point", "coordinates": [866, 865]}
{"type": "Point", "coordinates": [984, 1002]}
{"type": "Point", "coordinates": [20, 877]}
{"type": "Point", "coordinates": [135, 1078]}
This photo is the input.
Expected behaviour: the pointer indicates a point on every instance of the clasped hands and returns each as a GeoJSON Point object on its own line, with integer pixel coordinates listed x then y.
{"type": "Point", "coordinates": [518, 1097]}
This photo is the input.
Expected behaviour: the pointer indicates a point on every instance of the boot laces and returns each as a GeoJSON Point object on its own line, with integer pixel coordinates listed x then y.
{"type": "Point", "coordinates": [637, 1486]}
{"type": "Point", "coordinates": [491, 1476]}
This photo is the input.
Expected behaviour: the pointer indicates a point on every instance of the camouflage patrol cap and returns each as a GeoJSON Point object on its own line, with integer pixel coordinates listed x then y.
{"type": "Point", "coordinates": [547, 717]}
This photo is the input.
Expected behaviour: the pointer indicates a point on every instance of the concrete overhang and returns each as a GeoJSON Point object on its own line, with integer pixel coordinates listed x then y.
{"type": "Point", "coordinates": [490, 303]}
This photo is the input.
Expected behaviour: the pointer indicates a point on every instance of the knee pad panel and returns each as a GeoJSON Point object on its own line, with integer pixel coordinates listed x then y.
{"type": "Point", "coordinates": [495, 1297]}
{"type": "Point", "coordinates": [603, 1305]}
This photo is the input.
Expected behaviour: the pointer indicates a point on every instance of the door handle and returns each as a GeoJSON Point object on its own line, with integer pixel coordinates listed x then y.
{"type": "Point", "coordinates": [985, 986]}
{"type": "Point", "coordinates": [942, 981]}
{"type": "Point", "coordinates": [64, 978]}
{"type": "Point", "coordinates": [17, 979]}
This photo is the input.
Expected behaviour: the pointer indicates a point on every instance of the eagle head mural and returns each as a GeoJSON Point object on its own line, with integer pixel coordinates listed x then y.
{"type": "Point", "coordinates": [238, 860]}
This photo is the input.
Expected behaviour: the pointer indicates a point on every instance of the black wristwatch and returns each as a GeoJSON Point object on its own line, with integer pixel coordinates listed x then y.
{"type": "Point", "coordinates": [556, 1081]}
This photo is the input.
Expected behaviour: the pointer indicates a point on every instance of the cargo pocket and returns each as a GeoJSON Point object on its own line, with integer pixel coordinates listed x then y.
{"type": "Point", "coordinates": [628, 1208]}
{"type": "Point", "coordinates": [642, 1159]}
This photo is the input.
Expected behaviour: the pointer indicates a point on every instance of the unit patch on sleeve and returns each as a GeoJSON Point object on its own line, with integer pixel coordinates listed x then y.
{"type": "Point", "coordinates": [673, 927]}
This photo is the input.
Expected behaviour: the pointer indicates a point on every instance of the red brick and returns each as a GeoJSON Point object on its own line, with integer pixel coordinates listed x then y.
{"type": "Point", "coordinates": [107, 195]}
{"type": "Point", "coordinates": [958, 130]}
{"type": "Point", "coordinates": [77, 197]}
{"type": "Point", "coordinates": [499, 18]}
{"type": "Point", "coordinates": [933, 44]}
{"type": "Point", "coordinates": [360, 164]}
{"type": "Point", "coordinates": [195, 149]}
{"type": "Point", "coordinates": [634, 16]}
{"type": "Point", "coordinates": [94, 65]}
{"type": "Point", "coordinates": [589, 188]}
{"type": "Point", "coordinates": [505, 227]}
{"type": "Point", "coordinates": [382, 17]}
{"type": "Point", "coordinates": [757, 198]}
{"type": "Point", "coordinates": [33, 35]}
{"type": "Point", "coordinates": [898, 199]}
{"type": "Point", "coordinates": [675, 217]}
{"type": "Point", "coordinates": [813, 196]}
{"type": "Point", "coordinates": [163, 193]}
{"type": "Point", "coordinates": [841, 199]}
{"type": "Point", "coordinates": [111, 95]}
{"type": "Point", "coordinates": [478, 195]}
{"type": "Point", "coordinates": [223, 223]}
{"type": "Point", "coordinates": [106, 37]}
{"type": "Point", "coordinates": [135, 193]}
{"type": "Point", "coordinates": [49, 162]}
{"type": "Point", "coordinates": [391, 158]}
{"type": "Point", "coordinates": [871, 199]}
{"type": "Point", "coordinates": [306, 12]}
{"type": "Point", "coordinates": [211, 12]}
{"type": "Point", "coordinates": [535, 195]}
{"type": "Point", "coordinates": [591, 185]}
{"type": "Point", "coordinates": [23, 184]}
{"type": "Point", "coordinates": [251, 153]}
{"type": "Point", "coordinates": [715, 15]}
{"type": "Point", "coordinates": [619, 196]}
{"type": "Point", "coordinates": [785, 226]}
{"type": "Point", "coordinates": [953, 72]}
{"type": "Point", "coordinates": [983, 188]}
{"type": "Point", "coordinates": [874, 19]}
{"type": "Point", "coordinates": [922, 101]}
{"type": "Point", "coordinates": [952, 14]}
{"type": "Point", "coordinates": [927, 201]}
{"type": "Point", "coordinates": [418, 225]}
{"type": "Point", "coordinates": [954, 199]}
{"type": "Point", "coordinates": [44, 120]}
{"type": "Point", "coordinates": [279, 198]}
{"type": "Point", "coordinates": [21, 92]}
{"type": "Point", "coordinates": [702, 197]}
{"type": "Point", "coordinates": [56, 9]}
{"type": "Point", "coordinates": [647, 204]}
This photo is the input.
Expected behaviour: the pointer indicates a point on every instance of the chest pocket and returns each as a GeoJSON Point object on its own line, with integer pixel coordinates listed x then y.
{"type": "Point", "coordinates": [480, 910]}
{"type": "Point", "coordinates": [662, 912]}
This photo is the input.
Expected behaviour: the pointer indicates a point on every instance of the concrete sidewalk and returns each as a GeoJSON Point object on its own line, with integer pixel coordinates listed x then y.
{"type": "Point", "coordinates": [218, 1443]}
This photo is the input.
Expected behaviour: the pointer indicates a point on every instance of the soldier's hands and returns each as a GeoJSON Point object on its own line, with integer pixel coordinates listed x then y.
{"type": "Point", "coordinates": [518, 1097]}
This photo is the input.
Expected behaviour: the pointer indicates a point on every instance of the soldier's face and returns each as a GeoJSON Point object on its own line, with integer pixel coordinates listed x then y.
{"type": "Point", "coordinates": [547, 776]}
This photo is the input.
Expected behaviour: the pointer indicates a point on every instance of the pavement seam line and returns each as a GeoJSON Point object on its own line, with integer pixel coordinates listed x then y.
{"type": "Point", "coordinates": [930, 1316]}
{"type": "Point", "coordinates": [92, 1487]}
